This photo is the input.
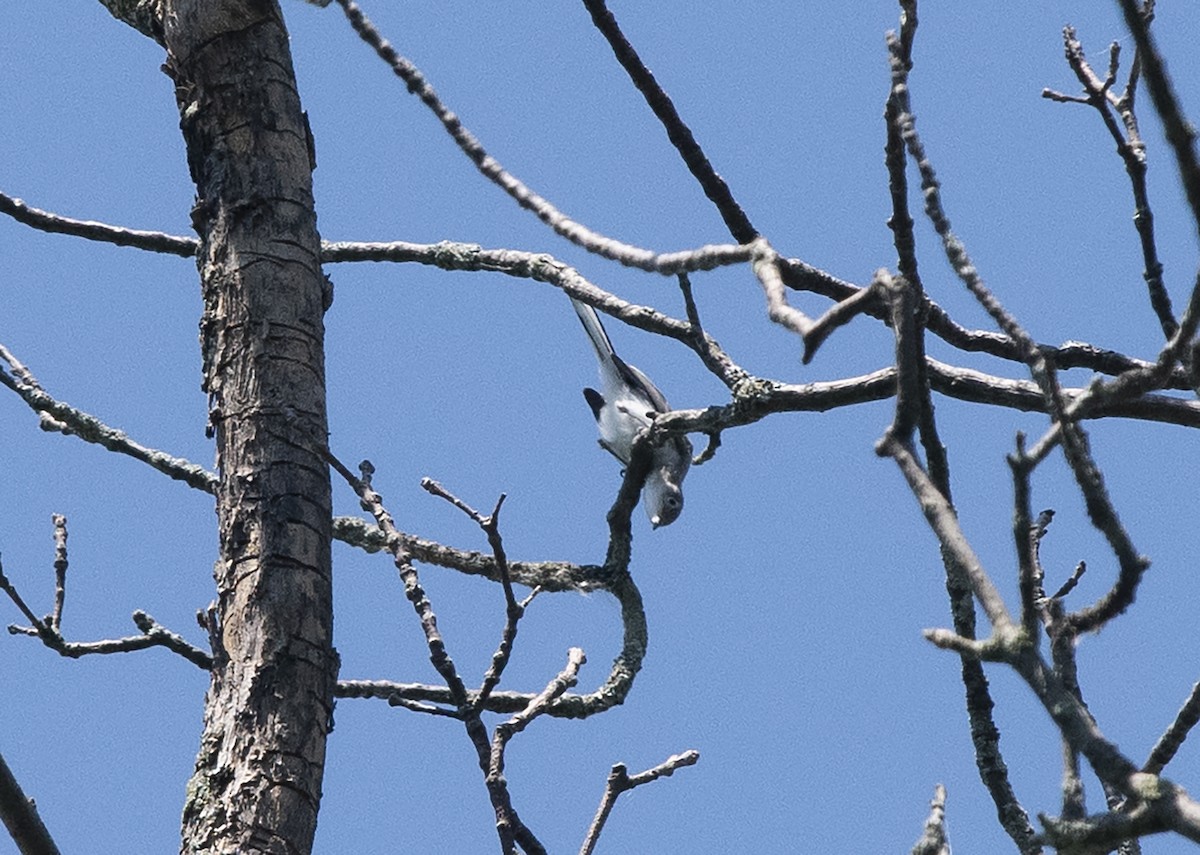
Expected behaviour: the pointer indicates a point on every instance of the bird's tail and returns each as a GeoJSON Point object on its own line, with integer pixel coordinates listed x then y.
{"type": "Point", "coordinates": [594, 329]}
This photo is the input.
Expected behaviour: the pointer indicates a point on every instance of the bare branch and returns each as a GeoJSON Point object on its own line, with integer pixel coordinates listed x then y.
{"type": "Point", "coordinates": [942, 519]}
{"type": "Point", "coordinates": [1075, 444]}
{"type": "Point", "coordinates": [803, 277]}
{"type": "Point", "coordinates": [417, 706]}
{"type": "Point", "coordinates": [1169, 743]}
{"type": "Point", "coordinates": [545, 268]}
{"type": "Point", "coordinates": [62, 417]}
{"type": "Point", "coordinates": [934, 841]}
{"type": "Point", "coordinates": [45, 221]}
{"type": "Point", "coordinates": [620, 781]}
{"type": "Point", "coordinates": [796, 274]}
{"type": "Point", "coordinates": [33, 629]}
{"type": "Point", "coordinates": [988, 650]}
{"type": "Point", "coordinates": [1132, 150]}
{"type": "Point", "coordinates": [1181, 136]}
{"type": "Point", "coordinates": [513, 610]}
{"type": "Point", "coordinates": [704, 258]}
{"type": "Point", "coordinates": [20, 816]}
{"type": "Point", "coordinates": [955, 251]}
{"type": "Point", "coordinates": [1025, 541]}
{"type": "Point", "coordinates": [901, 221]}
{"type": "Point", "coordinates": [837, 316]}
{"type": "Point", "coordinates": [555, 689]}
{"type": "Point", "coordinates": [373, 503]}
{"type": "Point", "coordinates": [1099, 833]}
{"type": "Point", "coordinates": [1179, 131]}
{"type": "Point", "coordinates": [551, 576]}
{"type": "Point", "coordinates": [767, 268]}
{"type": "Point", "coordinates": [152, 635]}
{"type": "Point", "coordinates": [1070, 584]}
{"type": "Point", "coordinates": [923, 375]}
{"type": "Point", "coordinates": [678, 132]}
{"type": "Point", "coordinates": [60, 570]}
{"type": "Point", "coordinates": [911, 392]}
{"type": "Point", "coordinates": [508, 824]}
{"type": "Point", "coordinates": [49, 629]}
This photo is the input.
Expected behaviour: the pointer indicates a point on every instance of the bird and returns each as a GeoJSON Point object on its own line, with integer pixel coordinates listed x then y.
{"type": "Point", "coordinates": [628, 403]}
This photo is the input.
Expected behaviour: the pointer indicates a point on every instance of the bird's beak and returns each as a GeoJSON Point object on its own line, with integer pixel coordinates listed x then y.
{"type": "Point", "coordinates": [655, 522]}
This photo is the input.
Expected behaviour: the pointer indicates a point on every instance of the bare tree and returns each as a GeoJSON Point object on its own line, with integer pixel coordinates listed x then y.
{"type": "Point", "coordinates": [272, 667]}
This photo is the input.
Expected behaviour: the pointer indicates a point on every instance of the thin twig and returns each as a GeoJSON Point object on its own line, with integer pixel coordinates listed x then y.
{"type": "Point", "coordinates": [417, 706]}
{"type": "Point", "coordinates": [62, 417]}
{"type": "Point", "coordinates": [556, 688]}
{"type": "Point", "coordinates": [766, 265]}
{"type": "Point", "coordinates": [513, 610]}
{"type": "Point", "coordinates": [944, 522]}
{"type": "Point", "coordinates": [1169, 743]}
{"type": "Point", "coordinates": [838, 315]}
{"type": "Point", "coordinates": [508, 823]}
{"type": "Point", "coordinates": [45, 221]}
{"type": "Point", "coordinates": [60, 570]}
{"type": "Point", "coordinates": [1025, 541]}
{"type": "Point", "coordinates": [620, 781]}
{"type": "Point", "coordinates": [911, 394]}
{"type": "Point", "coordinates": [7, 586]}
{"type": "Point", "coordinates": [1070, 584]}
{"type": "Point", "coordinates": [1132, 150]}
{"type": "Point", "coordinates": [153, 635]}
{"type": "Point", "coordinates": [678, 132]}
{"type": "Point", "coordinates": [703, 258]}
{"type": "Point", "coordinates": [705, 346]}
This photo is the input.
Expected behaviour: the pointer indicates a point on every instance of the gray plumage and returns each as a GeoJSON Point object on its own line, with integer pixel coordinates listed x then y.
{"type": "Point", "coordinates": [626, 404]}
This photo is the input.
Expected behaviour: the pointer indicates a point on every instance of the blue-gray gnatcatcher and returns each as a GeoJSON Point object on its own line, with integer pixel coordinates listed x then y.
{"type": "Point", "coordinates": [628, 404]}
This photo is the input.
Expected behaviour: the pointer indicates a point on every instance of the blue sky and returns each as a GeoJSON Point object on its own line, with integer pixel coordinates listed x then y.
{"type": "Point", "coordinates": [785, 606]}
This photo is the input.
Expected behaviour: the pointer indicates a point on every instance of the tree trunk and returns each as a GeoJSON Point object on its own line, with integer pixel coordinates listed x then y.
{"type": "Point", "coordinates": [257, 783]}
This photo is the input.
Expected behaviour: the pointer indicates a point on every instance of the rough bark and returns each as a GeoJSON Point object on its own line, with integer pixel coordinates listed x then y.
{"type": "Point", "coordinates": [257, 782]}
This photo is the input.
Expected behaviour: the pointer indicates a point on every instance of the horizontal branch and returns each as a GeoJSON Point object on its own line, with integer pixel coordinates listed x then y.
{"type": "Point", "coordinates": [47, 222]}
{"type": "Point", "coordinates": [500, 701]}
{"type": "Point", "coordinates": [968, 385]}
{"type": "Point", "coordinates": [153, 635]}
{"type": "Point", "coordinates": [1072, 354]}
{"type": "Point", "coordinates": [756, 399]}
{"type": "Point", "coordinates": [547, 575]}
{"type": "Point", "coordinates": [449, 255]}
{"type": "Point", "coordinates": [753, 399]}
{"type": "Point", "coordinates": [550, 576]}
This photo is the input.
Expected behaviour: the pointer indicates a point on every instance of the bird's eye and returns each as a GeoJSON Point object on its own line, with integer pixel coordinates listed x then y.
{"type": "Point", "coordinates": [672, 501]}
